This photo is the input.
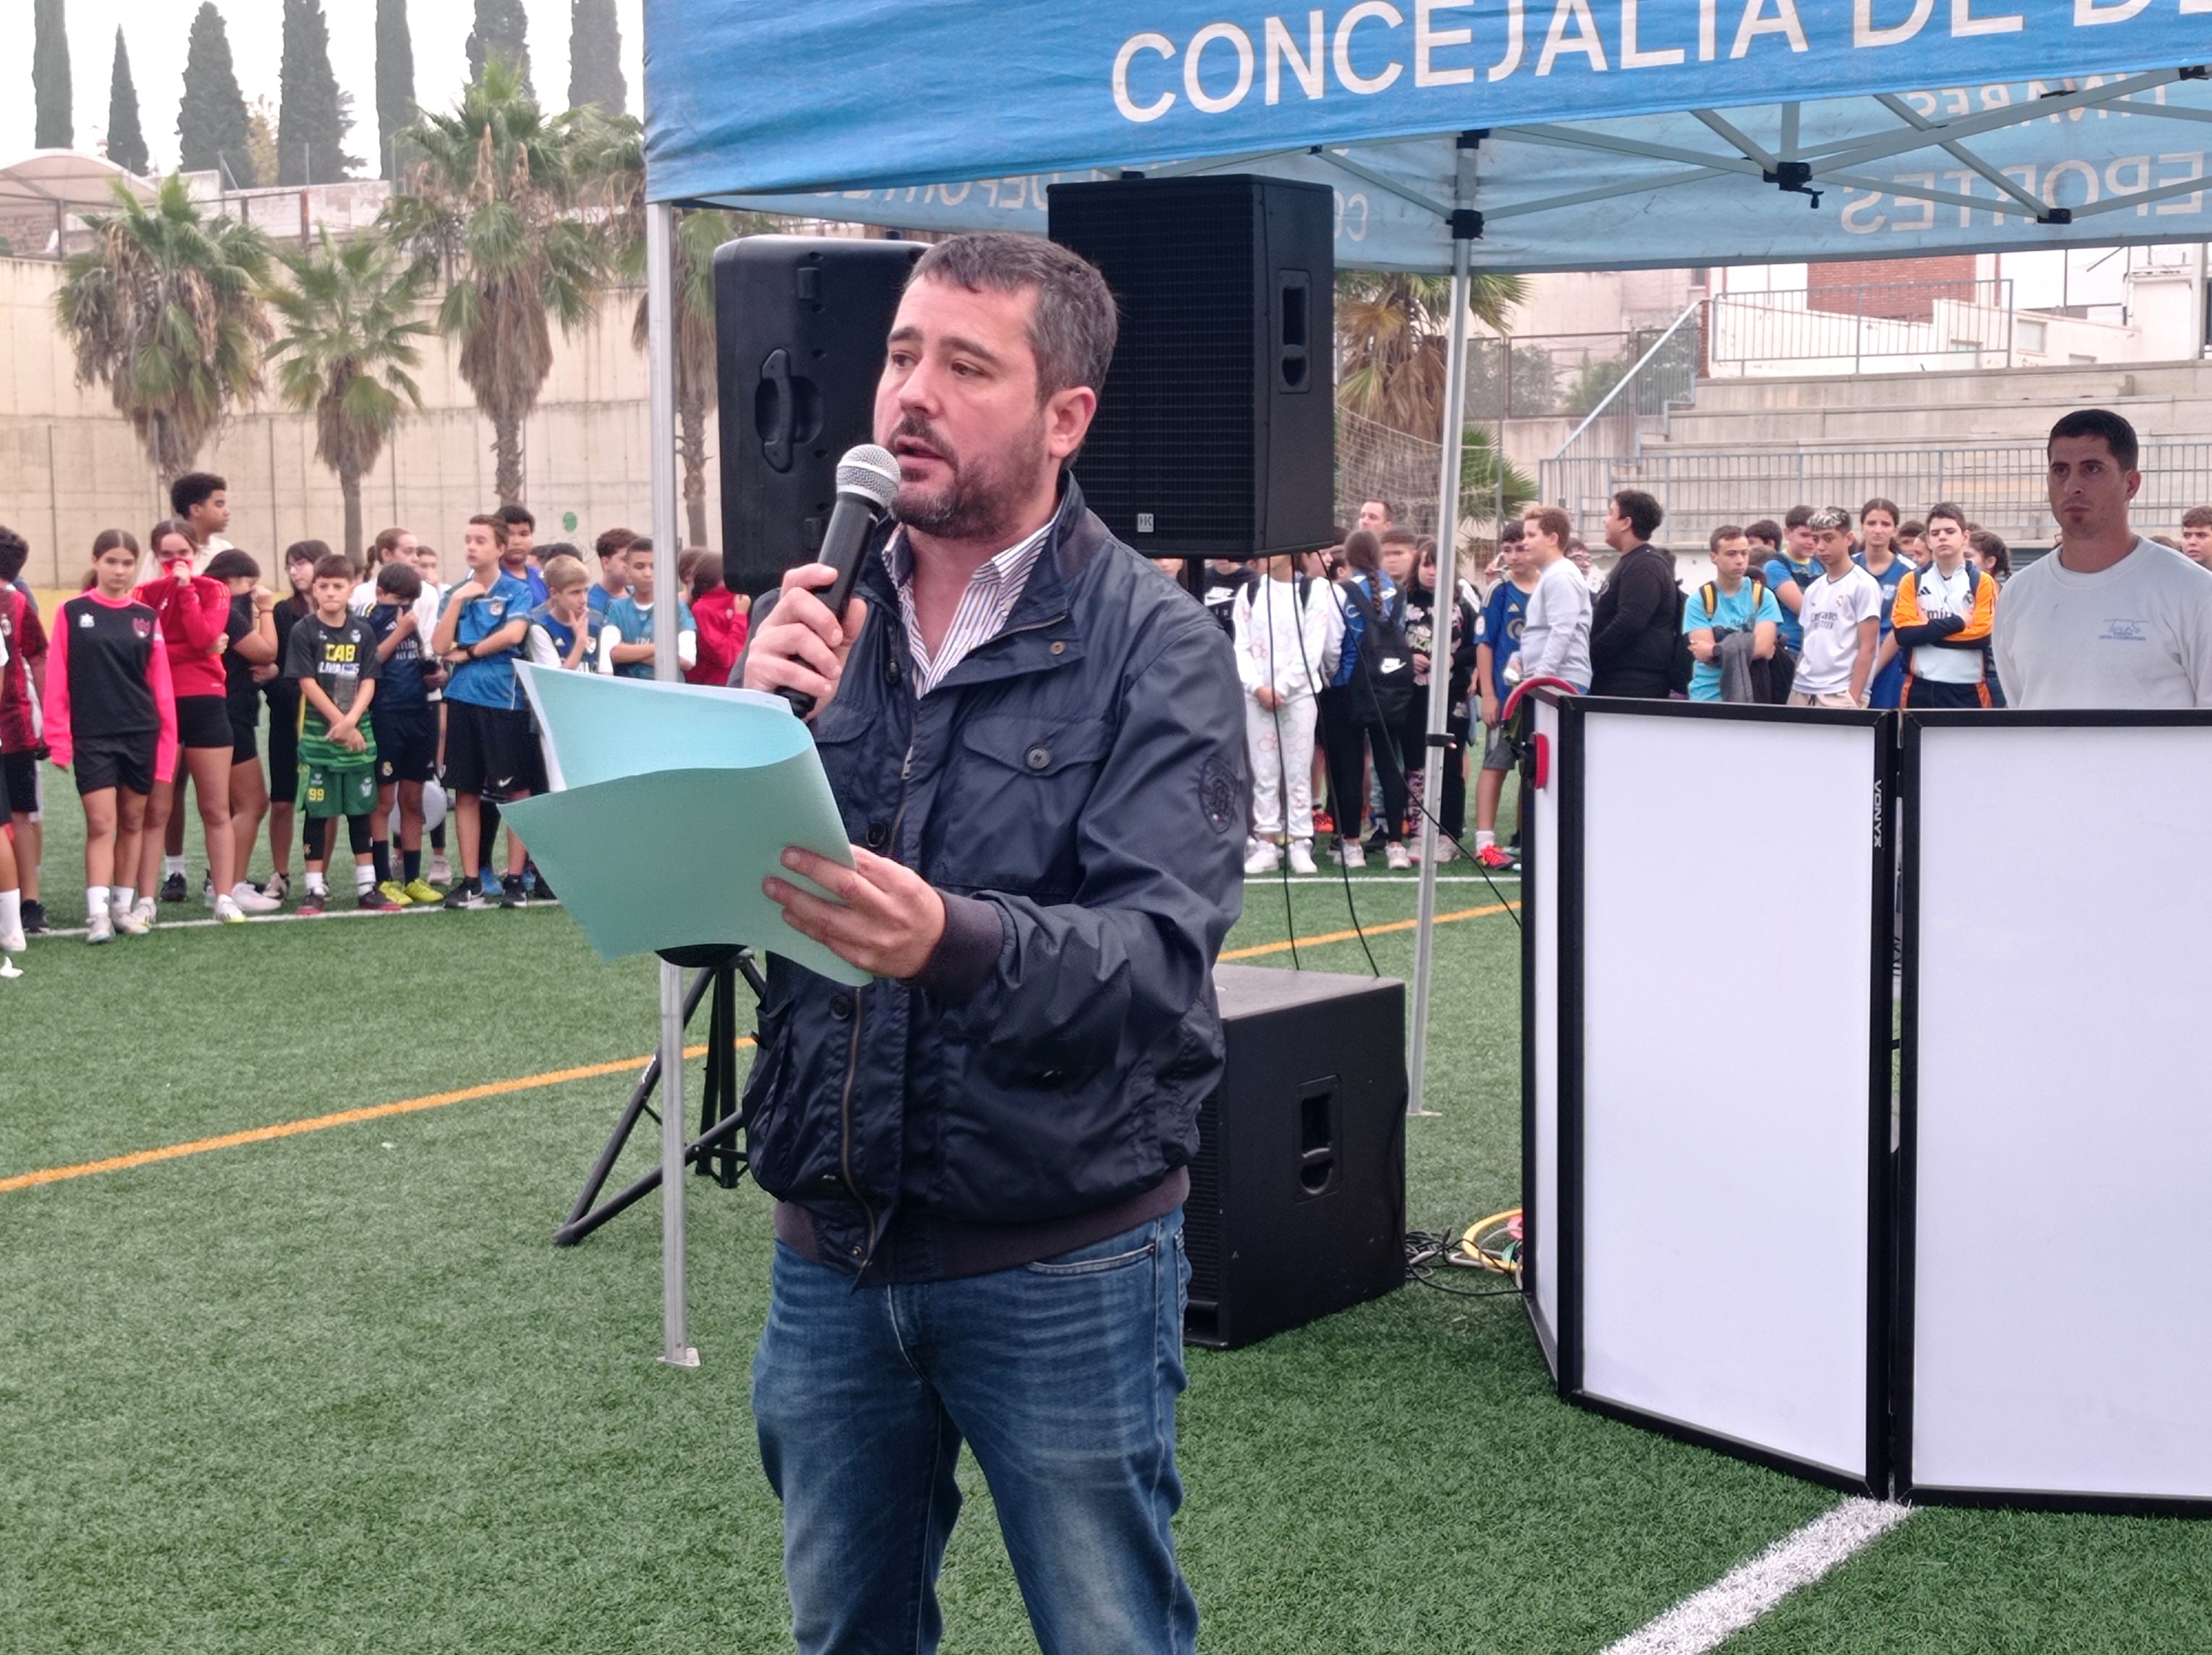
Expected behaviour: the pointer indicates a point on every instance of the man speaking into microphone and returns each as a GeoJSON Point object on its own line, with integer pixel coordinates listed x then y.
{"type": "Point", "coordinates": [980, 1160]}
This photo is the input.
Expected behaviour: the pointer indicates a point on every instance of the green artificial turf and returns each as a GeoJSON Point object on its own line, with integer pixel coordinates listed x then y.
{"type": "Point", "coordinates": [338, 1392]}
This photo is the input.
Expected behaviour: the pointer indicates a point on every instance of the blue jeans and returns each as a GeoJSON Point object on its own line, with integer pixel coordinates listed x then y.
{"type": "Point", "coordinates": [1062, 1374]}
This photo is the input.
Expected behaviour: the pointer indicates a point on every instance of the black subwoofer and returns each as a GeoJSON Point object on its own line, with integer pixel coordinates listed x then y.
{"type": "Point", "coordinates": [1297, 1197]}
{"type": "Point", "coordinates": [1215, 435]}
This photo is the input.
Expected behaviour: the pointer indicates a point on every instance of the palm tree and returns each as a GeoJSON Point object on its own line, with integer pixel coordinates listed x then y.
{"type": "Point", "coordinates": [496, 203]}
{"type": "Point", "coordinates": [165, 310]}
{"type": "Point", "coordinates": [1392, 332]}
{"type": "Point", "coordinates": [350, 340]}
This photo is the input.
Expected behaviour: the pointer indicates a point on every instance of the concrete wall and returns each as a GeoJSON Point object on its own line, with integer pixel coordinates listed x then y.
{"type": "Point", "coordinates": [70, 465]}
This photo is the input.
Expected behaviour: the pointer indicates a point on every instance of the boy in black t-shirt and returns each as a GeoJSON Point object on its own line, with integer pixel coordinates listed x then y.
{"type": "Point", "coordinates": [332, 656]}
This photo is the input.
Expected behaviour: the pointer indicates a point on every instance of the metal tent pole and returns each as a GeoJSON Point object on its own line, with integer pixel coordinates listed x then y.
{"type": "Point", "coordinates": [660, 290]}
{"type": "Point", "coordinates": [1445, 608]}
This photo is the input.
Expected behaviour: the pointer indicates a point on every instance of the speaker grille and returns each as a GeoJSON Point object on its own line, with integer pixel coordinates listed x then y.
{"type": "Point", "coordinates": [1174, 436]}
{"type": "Point", "coordinates": [1201, 1214]}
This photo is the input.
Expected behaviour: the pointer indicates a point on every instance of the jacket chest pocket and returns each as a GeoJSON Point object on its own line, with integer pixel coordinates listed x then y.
{"type": "Point", "coordinates": [1012, 801]}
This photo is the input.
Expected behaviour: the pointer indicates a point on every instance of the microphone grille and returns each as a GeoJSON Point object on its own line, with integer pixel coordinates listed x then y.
{"type": "Point", "coordinates": [870, 470]}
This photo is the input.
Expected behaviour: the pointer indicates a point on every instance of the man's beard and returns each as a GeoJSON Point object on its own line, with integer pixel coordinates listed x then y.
{"type": "Point", "coordinates": [983, 500]}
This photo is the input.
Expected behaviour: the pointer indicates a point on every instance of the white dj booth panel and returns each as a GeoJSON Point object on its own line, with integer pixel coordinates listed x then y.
{"type": "Point", "coordinates": [1540, 1038]}
{"type": "Point", "coordinates": [2055, 1327]}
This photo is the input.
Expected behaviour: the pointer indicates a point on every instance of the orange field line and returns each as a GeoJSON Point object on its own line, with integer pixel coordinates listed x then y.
{"type": "Point", "coordinates": [343, 1117]}
{"type": "Point", "coordinates": [1254, 951]}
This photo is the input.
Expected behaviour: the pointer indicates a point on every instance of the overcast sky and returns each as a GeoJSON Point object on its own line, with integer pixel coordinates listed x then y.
{"type": "Point", "coordinates": [154, 32]}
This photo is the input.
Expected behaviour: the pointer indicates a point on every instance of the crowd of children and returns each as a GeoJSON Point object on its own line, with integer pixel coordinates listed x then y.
{"type": "Point", "coordinates": [390, 697]}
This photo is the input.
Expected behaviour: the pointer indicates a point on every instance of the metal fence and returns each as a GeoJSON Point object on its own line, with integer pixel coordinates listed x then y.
{"type": "Point", "coordinates": [2000, 487]}
{"type": "Point", "coordinates": [1872, 327]}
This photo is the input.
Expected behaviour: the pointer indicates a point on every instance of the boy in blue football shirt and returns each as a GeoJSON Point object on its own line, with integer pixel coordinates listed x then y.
{"type": "Point", "coordinates": [488, 743]}
{"type": "Point", "coordinates": [561, 632]}
{"type": "Point", "coordinates": [613, 549]}
{"type": "Point", "coordinates": [626, 635]}
{"type": "Point", "coordinates": [1500, 641]}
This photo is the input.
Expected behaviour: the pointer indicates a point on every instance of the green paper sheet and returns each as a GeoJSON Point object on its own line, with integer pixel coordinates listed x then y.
{"type": "Point", "coordinates": [669, 804]}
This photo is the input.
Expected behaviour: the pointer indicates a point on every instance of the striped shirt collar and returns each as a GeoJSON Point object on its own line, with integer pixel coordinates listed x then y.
{"type": "Point", "coordinates": [992, 590]}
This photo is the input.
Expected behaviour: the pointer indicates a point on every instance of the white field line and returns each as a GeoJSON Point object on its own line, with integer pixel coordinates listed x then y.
{"type": "Point", "coordinates": [1704, 1620]}
{"type": "Point", "coordinates": [344, 909]}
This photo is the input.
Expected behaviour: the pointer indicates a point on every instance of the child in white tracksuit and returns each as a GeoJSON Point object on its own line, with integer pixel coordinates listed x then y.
{"type": "Point", "coordinates": [1287, 632]}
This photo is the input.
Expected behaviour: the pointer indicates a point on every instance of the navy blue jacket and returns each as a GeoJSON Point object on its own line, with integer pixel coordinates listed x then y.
{"type": "Point", "coordinates": [1077, 789]}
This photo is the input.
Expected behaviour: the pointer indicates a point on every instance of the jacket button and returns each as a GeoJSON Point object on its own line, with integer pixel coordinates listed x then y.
{"type": "Point", "coordinates": [879, 835]}
{"type": "Point", "coordinates": [1037, 758]}
{"type": "Point", "coordinates": [890, 672]}
{"type": "Point", "coordinates": [1052, 1077]}
{"type": "Point", "coordinates": [840, 1007]}
{"type": "Point", "coordinates": [1059, 646]}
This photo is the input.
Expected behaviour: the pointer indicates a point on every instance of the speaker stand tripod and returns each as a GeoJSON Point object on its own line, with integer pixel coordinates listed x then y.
{"type": "Point", "coordinates": [714, 1151]}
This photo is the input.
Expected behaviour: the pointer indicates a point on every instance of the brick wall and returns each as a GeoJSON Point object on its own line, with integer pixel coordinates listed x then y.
{"type": "Point", "coordinates": [1884, 289]}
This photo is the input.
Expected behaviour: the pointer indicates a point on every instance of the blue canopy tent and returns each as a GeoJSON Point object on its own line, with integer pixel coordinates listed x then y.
{"type": "Point", "coordinates": [1519, 135]}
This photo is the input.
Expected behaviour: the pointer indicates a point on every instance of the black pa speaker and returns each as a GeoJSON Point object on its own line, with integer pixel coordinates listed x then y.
{"type": "Point", "coordinates": [1297, 1196]}
{"type": "Point", "coordinates": [799, 325]}
{"type": "Point", "coordinates": [1215, 435]}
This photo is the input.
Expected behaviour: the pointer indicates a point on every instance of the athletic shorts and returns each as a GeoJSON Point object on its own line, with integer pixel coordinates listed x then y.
{"type": "Point", "coordinates": [1921, 694]}
{"type": "Point", "coordinates": [1497, 750]}
{"type": "Point", "coordinates": [245, 742]}
{"type": "Point", "coordinates": [337, 790]}
{"type": "Point", "coordinates": [115, 761]}
{"type": "Point", "coordinates": [406, 744]}
{"type": "Point", "coordinates": [486, 750]}
{"type": "Point", "coordinates": [283, 758]}
{"type": "Point", "coordinates": [20, 774]}
{"type": "Point", "coordinates": [203, 721]}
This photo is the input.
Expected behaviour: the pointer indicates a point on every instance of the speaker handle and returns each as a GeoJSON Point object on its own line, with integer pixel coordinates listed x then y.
{"type": "Point", "coordinates": [1293, 366]}
{"type": "Point", "coordinates": [774, 421]}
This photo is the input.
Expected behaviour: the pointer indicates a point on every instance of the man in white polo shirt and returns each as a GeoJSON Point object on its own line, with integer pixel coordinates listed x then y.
{"type": "Point", "coordinates": [2109, 619]}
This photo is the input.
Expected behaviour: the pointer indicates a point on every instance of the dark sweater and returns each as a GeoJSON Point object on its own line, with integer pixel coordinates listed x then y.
{"type": "Point", "coordinates": [1632, 628]}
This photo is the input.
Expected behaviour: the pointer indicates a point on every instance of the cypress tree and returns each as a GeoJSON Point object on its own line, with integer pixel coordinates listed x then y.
{"type": "Point", "coordinates": [312, 114]}
{"type": "Point", "coordinates": [502, 28]}
{"type": "Point", "coordinates": [595, 57]}
{"type": "Point", "coordinates": [395, 81]}
{"type": "Point", "coordinates": [126, 141]}
{"type": "Point", "coordinates": [211, 130]}
{"type": "Point", "coordinates": [50, 77]}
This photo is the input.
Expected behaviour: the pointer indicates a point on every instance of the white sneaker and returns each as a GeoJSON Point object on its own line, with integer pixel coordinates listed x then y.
{"type": "Point", "coordinates": [1348, 854]}
{"type": "Point", "coordinates": [441, 871]}
{"type": "Point", "coordinates": [227, 911]}
{"type": "Point", "coordinates": [247, 900]}
{"type": "Point", "coordinates": [9, 968]}
{"type": "Point", "coordinates": [129, 924]}
{"type": "Point", "coordinates": [1446, 852]}
{"type": "Point", "coordinates": [1265, 859]}
{"type": "Point", "coordinates": [1301, 860]}
{"type": "Point", "coordinates": [99, 928]}
{"type": "Point", "coordinates": [1395, 855]}
{"type": "Point", "coordinates": [276, 887]}
{"type": "Point", "coordinates": [13, 942]}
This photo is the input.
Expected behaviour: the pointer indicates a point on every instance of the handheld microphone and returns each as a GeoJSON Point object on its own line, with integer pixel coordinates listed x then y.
{"type": "Point", "coordinates": [868, 483]}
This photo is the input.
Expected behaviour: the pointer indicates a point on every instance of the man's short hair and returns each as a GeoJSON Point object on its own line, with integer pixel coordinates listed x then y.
{"type": "Point", "coordinates": [496, 523]}
{"type": "Point", "coordinates": [1829, 517]}
{"type": "Point", "coordinates": [1726, 531]}
{"type": "Point", "coordinates": [194, 488]}
{"type": "Point", "coordinates": [386, 544]}
{"type": "Point", "coordinates": [513, 514]}
{"type": "Point", "coordinates": [2120, 436]}
{"type": "Point", "coordinates": [562, 570]}
{"type": "Point", "coordinates": [15, 552]}
{"type": "Point", "coordinates": [1398, 537]}
{"type": "Point", "coordinates": [1512, 533]}
{"type": "Point", "coordinates": [1947, 509]}
{"type": "Point", "coordinates": [334, 566]}
{"type": "Point", "coordinates": [1878, 504]}
{"type": "Point", "coordinates": [1555, 522]}
{"type": "Point", "coordinates": [1074, 326]}
{"type": "Point", "coordinates": [612, 543]}
{"type": "Point", "coordinates": [642, 543]}
{"type": "Point", "coordinates": [1796, 517]}
{"type": "Point", "coordinates": [401, 581]}
{"type": "Point", "coordinates": [1389, 510]}
{"type": "Point", "coordinates": [1911, 530]}
{"type": "Point", "coordinates": [1766, 529]}
{"type": "Point", "coordinates": [232, 564]}
{"type": "Point", "coordinates": [1644, 512]}
{"type": "Point", "coordinates": [2196, 517]}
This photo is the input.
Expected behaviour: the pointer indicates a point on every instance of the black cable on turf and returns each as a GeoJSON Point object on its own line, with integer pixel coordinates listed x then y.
{"type": "Point", "coordinates": [1343, 866]}
{"type": "Point", "coordinates": [1512, 908]}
